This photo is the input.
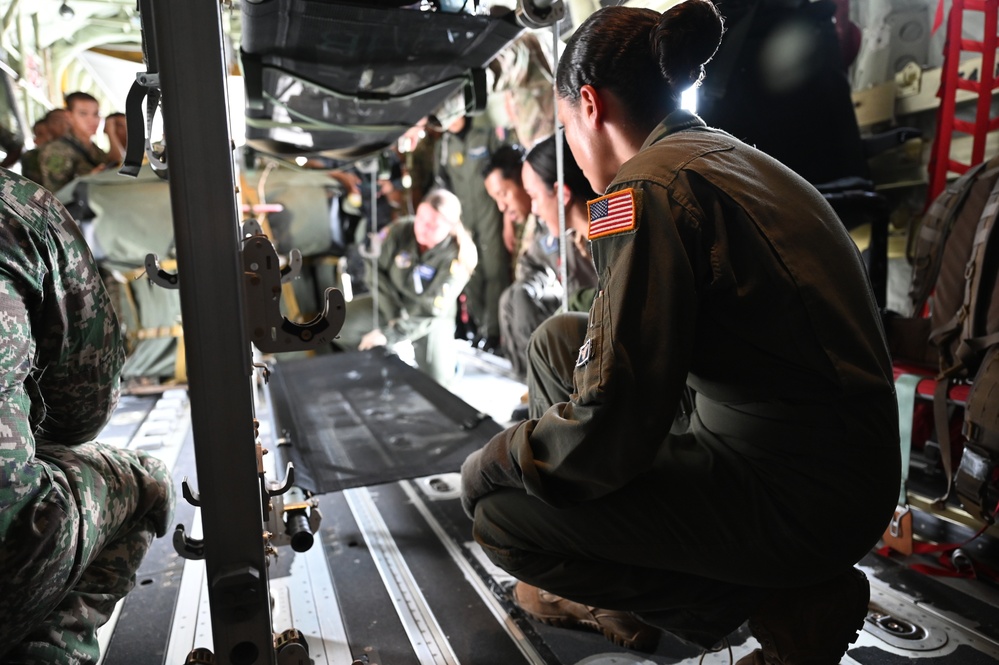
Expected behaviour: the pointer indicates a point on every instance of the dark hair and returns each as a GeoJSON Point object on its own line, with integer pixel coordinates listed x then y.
{"type": "Point", "coordinates": [508, 159]}
{"type": "Point", "coordinates": [646, 59]}
{"type": "Point", "coordinates": [74, 97]}
{"type": "Point", "coordinates": [116, 114]}
{"type": "Point", "coordinates": [542, 160]}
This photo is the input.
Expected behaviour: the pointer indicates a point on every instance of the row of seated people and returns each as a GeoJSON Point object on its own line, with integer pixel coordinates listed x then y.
{"type": "Point", "coordinates": [64, 143]}
{"type": "Point", "coordinates": [424, 263]}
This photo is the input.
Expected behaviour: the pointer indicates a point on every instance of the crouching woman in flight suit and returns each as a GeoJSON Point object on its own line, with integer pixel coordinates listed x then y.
{"type": "Point", "coordinates": [721, 269]}
{"type": "Point", "coordinates": [423, 265]}
{"type": "Point", "coordinates": [76, 516]}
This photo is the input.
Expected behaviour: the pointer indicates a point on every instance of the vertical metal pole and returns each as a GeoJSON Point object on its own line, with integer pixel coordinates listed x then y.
{"type": "Point", "coordinates": [22, 69]}
{"type": "Point", "coordinates": [563, 250]}
{"type": "Point", "coordinates": [37, 46]}
{"type": "Point", "coordinates": [189, 49]}
{"type": "Point", "coordinates": [373, 230]}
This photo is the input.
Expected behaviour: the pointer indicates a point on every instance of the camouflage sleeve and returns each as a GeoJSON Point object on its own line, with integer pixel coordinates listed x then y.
{"type": "Point", "coordinates": [57, 166]}
{"type": "Point", "coordinates": [47, 269]}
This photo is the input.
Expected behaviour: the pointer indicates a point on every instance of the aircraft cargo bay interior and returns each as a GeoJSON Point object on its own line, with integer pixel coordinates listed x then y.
{"type": "Point", "coordinates": [565, 332]}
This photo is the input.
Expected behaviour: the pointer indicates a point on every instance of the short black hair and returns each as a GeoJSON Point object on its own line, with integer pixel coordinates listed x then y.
{"type": "Point", "coordinates": [645, 58]}
{"type": "Point", "coordinates": [508, 159]}
{"type": "Point", "coordinates": [543, 159]}
{"type": "Point", "coordinates": [79, 96]}
{"type": "Point", "coordinates": [51, 114]}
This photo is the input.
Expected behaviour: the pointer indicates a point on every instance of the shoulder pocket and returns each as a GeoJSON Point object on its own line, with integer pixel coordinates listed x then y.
{"type": "Point", "coordinates": [591, 362]}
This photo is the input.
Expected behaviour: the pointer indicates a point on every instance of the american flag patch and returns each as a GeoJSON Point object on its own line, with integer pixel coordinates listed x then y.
{"type": "Point", "coordinates": [614, 213]}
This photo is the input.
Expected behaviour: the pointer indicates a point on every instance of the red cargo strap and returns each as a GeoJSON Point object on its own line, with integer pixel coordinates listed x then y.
{"type": "Point", "coordinates": [964, 566]}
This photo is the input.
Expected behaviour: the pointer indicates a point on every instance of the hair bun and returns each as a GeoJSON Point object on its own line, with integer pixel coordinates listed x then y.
{"type": "Point", "coordinates": [686, 38]}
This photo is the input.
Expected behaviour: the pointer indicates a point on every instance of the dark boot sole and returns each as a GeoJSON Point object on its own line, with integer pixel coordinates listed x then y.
{"type": "Point", "coordinates": [840, 642]}
{"type": "Point", "coordinates": [593, 627]}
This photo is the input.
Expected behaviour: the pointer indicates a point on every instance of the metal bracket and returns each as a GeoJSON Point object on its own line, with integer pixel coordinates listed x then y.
{"type": "Point", "coordinates": [145, 87]}
{"type": "Point", "coordinates": [293, 266]}
{"type": "Point", "coordinates": [376, 247]}
{"type": "Point", "coordinates": [187, 547]}
{"type": "Point", "coordinates": [538, 14]}
{"type": "Point", "coordinates": [291, 647]}
{"type": "Point", "coordinates": [896, 520]}
{"type": "Point", "coordinates": [295, 519]}
{"type": "Point", "coordinates": [269, 330]}
{"type": "Point", "coordinates": [289, 480]}
{"type": "Point", "coordinates": [159, 276]}
{"type": "Point", "coordinates": [200, 656]}
{"type": "Point", "coordinates": [191, 495]}
{"type": "Point", "coordinates": [265, 371]}
{"type": "Point", "coordinates": [251, 227]}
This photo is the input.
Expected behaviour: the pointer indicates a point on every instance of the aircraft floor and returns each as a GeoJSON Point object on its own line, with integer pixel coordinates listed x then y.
{"type": "Point", "coordinates": [394, 578]}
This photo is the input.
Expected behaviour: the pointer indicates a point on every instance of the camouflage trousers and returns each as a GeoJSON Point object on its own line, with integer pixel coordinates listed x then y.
{"type": "Point", "coordinates": [73, 549]}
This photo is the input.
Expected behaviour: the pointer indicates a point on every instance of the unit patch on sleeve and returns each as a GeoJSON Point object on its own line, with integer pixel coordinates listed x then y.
{"type": "Point", "coordinates": [611, 214]}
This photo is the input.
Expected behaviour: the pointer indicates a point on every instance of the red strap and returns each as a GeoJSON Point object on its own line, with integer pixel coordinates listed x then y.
{"type": "Point", "coordinates": [938, 17]}
{"type": "Point", "coordinates": [966, 567]}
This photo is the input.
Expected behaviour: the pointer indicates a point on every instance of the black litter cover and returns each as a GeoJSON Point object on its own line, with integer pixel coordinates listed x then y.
{"type": "Point", "coordinates": [365, 418]}
{"type": "Point", "coordinates": [346, 80]}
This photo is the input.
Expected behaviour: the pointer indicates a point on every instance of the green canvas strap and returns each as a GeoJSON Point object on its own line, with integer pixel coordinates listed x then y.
{"type": "Point", "coordinates": [905, 393]}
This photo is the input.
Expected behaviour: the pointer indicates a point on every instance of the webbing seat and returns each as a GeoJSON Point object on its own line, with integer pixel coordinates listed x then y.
{"type": "Point", "coordinates": [346, 80]}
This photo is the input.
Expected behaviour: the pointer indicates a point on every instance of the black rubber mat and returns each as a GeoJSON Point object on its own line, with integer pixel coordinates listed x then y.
{"type": "Point", "coordinates": [366, 418]}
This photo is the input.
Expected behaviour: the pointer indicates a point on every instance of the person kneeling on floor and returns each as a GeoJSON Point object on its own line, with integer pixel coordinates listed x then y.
{"type": "Point", "coordinates": [422, 266]}
{"type": "Point", "coordinates": [76, 516]}
{"type": "Point", "coordinates": [722, 271]}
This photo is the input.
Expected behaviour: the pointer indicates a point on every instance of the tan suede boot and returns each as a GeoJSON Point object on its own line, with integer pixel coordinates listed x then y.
{"type": "Point", "coordinates": [810, 626]}
{"type": "Point", "coordinates": [622, 628]}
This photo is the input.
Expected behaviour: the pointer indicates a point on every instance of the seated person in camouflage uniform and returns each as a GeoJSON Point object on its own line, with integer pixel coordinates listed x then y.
{"type": "Point", "coordinates": [423, 265]}
{"type": "Point", "coordinates": [74, 154]}
{"type": "Point", "coordinates": [76, 516]}
{"type": "Point", "coordinates": [30, 167]}
{"type": "Point", "coordinates": [53, 125]}
{"type": "Point", "coordinates": [11, 145]}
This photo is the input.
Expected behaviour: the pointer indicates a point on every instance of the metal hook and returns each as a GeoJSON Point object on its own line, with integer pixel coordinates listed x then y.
{"type": "Point", "coordinates": [269, 330]}
{"type": "Point", "coordinates": [159, 276]}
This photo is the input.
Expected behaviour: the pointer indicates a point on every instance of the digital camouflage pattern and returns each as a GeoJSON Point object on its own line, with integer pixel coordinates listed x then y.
{"type": "Point", "coordinates": [76, 516]}
{"type": "Point", "coordinates": [65, 159]}
{"type": "Point", "coordinates": [526, 80]}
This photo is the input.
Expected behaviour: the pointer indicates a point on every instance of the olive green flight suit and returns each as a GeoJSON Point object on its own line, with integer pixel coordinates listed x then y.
{"type": "Point", "coordinates": [461, 159]}
{"type": "Point", "coordinates": [536, 294]}
{"type": "Point", "coordinates": [76, 516]}
{"type": "Point", "coordinates": [738, 280]}
{"type": "Point", "coordinates": [417, 300]}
